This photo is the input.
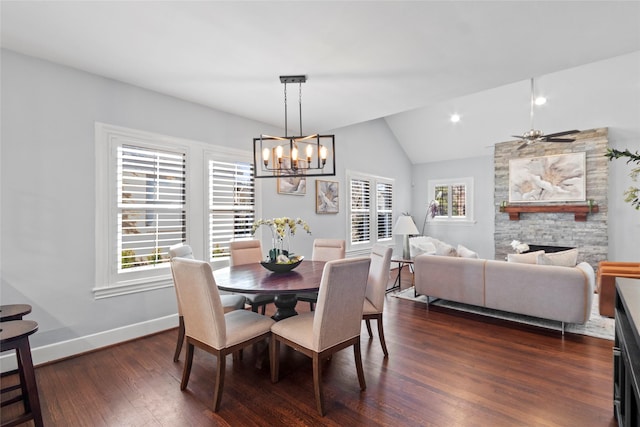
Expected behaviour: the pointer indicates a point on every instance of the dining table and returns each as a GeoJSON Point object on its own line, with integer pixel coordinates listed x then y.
{"type": "Point", "coordinates": [254, 278]}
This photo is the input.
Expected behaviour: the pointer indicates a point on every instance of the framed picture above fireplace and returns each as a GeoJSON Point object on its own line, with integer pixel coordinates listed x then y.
{"type": "Point", "coordinates": [556, 178]}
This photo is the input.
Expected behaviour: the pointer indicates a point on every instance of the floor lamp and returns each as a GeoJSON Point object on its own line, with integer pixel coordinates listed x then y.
{"type": "Point", "coordinates": [405, 227]}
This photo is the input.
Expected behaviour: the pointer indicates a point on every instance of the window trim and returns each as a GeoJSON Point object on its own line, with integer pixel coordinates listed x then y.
{"type": "Point", "coordinates": [373, 210]}
{"type": "Point", "coordinates": [469, 218]}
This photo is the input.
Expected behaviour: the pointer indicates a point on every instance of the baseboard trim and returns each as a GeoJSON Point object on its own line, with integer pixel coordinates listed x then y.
{"type": "Point", "coordinates": [64, 349]}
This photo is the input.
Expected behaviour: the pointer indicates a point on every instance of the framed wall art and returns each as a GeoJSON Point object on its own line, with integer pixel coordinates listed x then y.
{"type": "Point", "coordinates": [327, 201]}
{"type": "Point", "coordinates": [556, 178]}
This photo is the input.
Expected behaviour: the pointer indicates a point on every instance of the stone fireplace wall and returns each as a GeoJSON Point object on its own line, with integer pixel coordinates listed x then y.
{"type": "Point", "coordinates": [556, 229]}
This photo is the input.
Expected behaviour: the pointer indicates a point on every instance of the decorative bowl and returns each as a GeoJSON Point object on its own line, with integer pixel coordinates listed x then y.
{"type": "Point", "coordinates": [281, 267]}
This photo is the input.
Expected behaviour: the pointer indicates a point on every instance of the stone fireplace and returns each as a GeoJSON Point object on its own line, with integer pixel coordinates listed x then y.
{"type": "Point", "coordinates": [556, 223]}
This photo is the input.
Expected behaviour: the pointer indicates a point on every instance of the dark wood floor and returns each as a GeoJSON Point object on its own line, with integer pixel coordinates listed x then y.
{"type": "Point", "coordinates": [445, 368]}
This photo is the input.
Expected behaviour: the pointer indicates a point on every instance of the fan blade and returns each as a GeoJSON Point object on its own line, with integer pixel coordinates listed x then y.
{"type": "Point", "coordinates": [524, 145]}
{"type": "Point", "coordinates": [566, 132]}
{"type": "Point", "coordinates": [518, 136]}
{"type": "Point", "coordinates": [559, 140]}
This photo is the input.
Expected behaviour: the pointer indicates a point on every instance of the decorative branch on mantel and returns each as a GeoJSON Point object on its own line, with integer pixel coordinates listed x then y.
{"type": "Point", "coordinates": [579, 211]}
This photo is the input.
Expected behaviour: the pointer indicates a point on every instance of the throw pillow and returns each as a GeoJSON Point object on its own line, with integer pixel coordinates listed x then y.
{"type": "Point", "coordinates": [421, 245]}
{"type": "Point", "coordinates": [466, 253]}
{"type": "Point", "coordinates": [563, 258]}
{"type": "Point", "coordinates": [528, 258]}
{"type": "Point", "coordinates": [443, 248]}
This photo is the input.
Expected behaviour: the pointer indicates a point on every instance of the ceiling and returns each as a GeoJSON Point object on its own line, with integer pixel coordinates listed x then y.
{"type": "Point", "coordinates": [364, 60]}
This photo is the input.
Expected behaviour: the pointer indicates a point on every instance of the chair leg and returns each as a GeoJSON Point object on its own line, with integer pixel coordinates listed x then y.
{"type": "Point", "coordinates": [368, 323]}
{"type": "Point", "coordinates": [264, 309]}
{"type": "Point", "coordinates": [274, 350]}
{"type": "Point", "coordinates": [381, 335]}
{"type": "Point", "coordinates": [254, 307]}
{"type": "Point", "coordinates": [317, 383]}
{"type": "Point", "coordinates": [217, 394]}
{"type": "Point", "coordinates": [358, 357]}
{"type": "Point", "coordinates": [312, 306]}
{"type": "Point", "coordinates": [187, 366]}
{"type": "Point", "coordinates": [176, 356]}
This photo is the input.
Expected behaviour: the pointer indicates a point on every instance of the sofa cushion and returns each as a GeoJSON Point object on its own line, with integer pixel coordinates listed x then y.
{"type": "Point", "coordinates": [563, 258]}
{"type": "Point", "coordinates": [464, 252]}
{"type": "Point", "coordinates": [442, 248]}
{"type": "Point", "coordinates": [528, 258]}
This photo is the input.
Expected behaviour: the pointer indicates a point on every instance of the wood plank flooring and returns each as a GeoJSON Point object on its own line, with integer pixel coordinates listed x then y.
{"type": "Point", "coordinates": [445, 368]}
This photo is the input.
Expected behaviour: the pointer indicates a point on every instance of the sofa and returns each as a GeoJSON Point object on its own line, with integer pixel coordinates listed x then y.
{"type": "Point", "coordinates": [552, 292]}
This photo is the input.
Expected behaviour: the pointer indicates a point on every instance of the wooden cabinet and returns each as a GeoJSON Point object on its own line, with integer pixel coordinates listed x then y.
{"type": "Point", "coordinates": [626, 353]}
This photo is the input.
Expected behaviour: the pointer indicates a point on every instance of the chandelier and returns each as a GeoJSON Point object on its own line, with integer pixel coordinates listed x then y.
{"type": "Point", "coordinates": [293, 156]}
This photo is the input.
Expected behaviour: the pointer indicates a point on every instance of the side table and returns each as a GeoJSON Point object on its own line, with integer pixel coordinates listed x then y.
{"type": "Point", "coordinates": [401, 263]}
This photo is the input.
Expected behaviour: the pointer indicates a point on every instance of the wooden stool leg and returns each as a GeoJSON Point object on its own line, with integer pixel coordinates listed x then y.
{"type": "Point", "coordinates": [30, 387]}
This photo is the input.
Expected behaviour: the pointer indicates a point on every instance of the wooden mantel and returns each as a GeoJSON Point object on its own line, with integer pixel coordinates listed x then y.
{"type": "Point", "coordinates": [579, 211]}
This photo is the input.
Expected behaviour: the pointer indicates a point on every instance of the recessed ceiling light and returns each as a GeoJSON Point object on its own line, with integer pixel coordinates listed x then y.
{"type": "Point", "coordinates": [541, 100]}
{"type": "Point", "coordinates": [455, 118]}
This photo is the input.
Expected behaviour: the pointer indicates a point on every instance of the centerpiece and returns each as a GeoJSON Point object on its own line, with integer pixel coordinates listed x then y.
{"type": "Point", "coordinates": [279, 258]}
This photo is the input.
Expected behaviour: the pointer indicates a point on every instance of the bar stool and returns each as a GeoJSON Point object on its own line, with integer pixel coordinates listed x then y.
{"type": "Point", "coordinates": [14, 335]}
{"type": "Point", "coordinates": [13, 311]}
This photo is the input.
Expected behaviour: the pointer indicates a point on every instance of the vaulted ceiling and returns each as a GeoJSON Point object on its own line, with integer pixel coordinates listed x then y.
{"type": "Point", "coordinates": [364, 60]}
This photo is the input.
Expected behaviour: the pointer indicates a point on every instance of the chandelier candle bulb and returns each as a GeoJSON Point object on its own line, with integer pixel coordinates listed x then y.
{"type": "Point", "coordinates": [265, 156]}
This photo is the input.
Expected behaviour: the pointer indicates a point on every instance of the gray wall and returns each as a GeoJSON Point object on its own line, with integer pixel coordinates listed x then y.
{"type": "Point", "coordinates": [48, 185]}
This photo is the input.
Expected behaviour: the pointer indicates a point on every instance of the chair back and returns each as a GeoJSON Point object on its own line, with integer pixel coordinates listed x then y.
{"type": "Point", "coordinates": [378, 275]}
{"type": "Point", "coordinates": [198, 294]}
{"type": "Point", "coordinates": [328, 249]}
{"type": "Point", "coordinates": [338, 314]}
{"type": "Point", "coordinates": [245, 252]}
{"type": "Point", "coordinates": [181, 250]}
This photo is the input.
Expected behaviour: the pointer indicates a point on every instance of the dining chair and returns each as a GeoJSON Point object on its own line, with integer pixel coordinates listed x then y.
{"type": "Point", "coordinates": [229, 301]}
{"type": "Point", "coordinates": [247, 252]}
{"type": "Point", "coordinates": [207, 325]}
{"type": "Point", "coordinates": [333, 326]}
{"type": "Point", "coordinates": [376, 287]}
{"type": "Point", "coordinates": [323, 250]}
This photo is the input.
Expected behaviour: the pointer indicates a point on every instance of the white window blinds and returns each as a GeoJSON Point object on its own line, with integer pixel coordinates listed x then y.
{"type": "Point", "coordinates": [360, 210]}
{"type": "Point", "coordinates": [231, 204]}
{"type": "Point", "coordinates": [384, 196]}
{"type": "Point", "coordinates": [151, 191]}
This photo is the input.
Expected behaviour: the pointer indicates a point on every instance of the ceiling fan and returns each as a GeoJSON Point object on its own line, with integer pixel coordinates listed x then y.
{"type": "Point", "coordinates": [534, 135]}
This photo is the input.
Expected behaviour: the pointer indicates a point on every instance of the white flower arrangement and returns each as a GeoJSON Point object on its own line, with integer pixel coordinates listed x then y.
{"type": "Point", "coordinates": [519, 247]}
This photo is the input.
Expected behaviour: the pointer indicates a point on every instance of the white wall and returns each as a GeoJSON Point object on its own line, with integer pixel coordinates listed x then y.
{"type": "Point", "coordinates": [48, 201]}
{"type": "Point", "coordinates": [601, 94]}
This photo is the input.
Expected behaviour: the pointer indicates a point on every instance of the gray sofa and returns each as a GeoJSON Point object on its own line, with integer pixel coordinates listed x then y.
{"type": "Point", "coordinates": [546, 291]}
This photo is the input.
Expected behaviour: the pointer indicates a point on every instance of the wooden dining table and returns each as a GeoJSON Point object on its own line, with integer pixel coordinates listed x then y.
{"type": "Point", "coordinates": [255, 279]}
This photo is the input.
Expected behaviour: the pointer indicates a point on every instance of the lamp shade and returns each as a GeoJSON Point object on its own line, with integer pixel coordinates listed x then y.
{"type": "Point", "coordinates": [405, 225]}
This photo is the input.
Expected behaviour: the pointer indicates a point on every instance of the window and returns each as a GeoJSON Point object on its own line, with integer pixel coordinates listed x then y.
{"type": "Point", "coordinates": [151, 205]}
{"type": "Point", "coordinates": [454, 199]}
{"type": "Point", "coordinates": [231, 205]}
{"type": "Point", "coordinates": [369, 222]}
{"type": "Point", "coordinates": [153, 191]}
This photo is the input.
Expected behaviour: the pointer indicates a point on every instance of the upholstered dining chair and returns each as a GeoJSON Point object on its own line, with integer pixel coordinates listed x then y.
{"type": "Point", "coordinates": [207, 325]}
{"type": "Point", "coordinates": [333, 326]}
{"type": "Point", "coordinates": [376, 286]}
{"type": "Point", "coordinates": [229, 301]}
{"type": "Point", "coordinates": [323, 250]}
{"type": "Point", "coordinates": [247, 252]}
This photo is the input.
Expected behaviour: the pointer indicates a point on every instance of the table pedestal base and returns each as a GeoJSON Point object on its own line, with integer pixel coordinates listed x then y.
{"type": "Point", "coordinates": [286, 306]}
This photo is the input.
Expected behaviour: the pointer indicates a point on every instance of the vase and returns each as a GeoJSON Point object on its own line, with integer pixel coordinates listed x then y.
{"type": "Point", "coordinates": [280, 247]}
